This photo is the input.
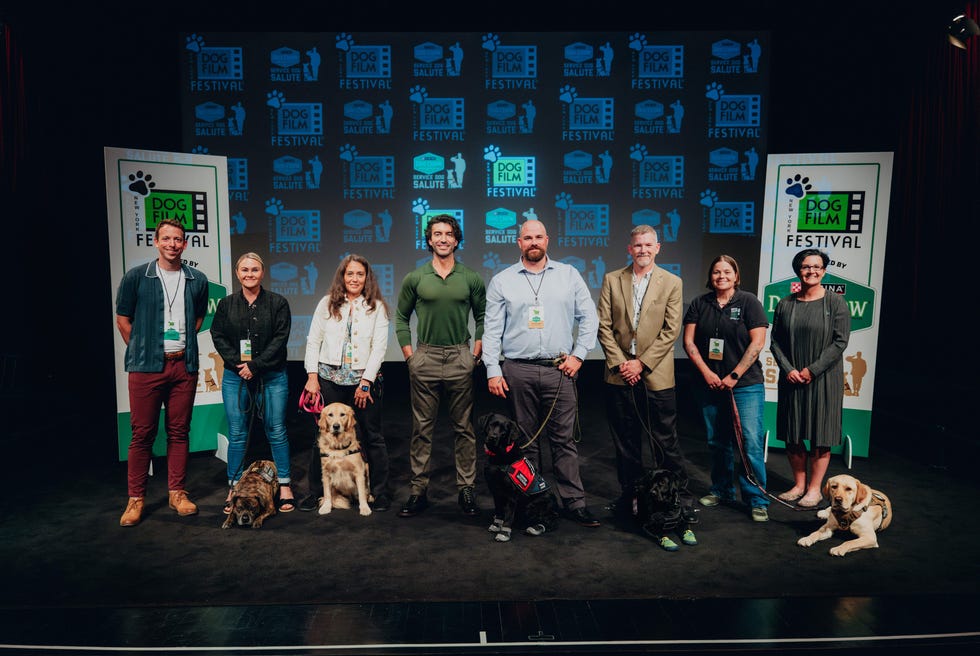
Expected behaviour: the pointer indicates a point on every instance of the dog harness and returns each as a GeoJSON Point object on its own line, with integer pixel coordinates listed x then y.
{"type": "Point", "coordinates": [267, 472]}
{"type": "Point", "coordinates": [845, 519]}
{"type": "Point", "coordinates": [348, 453]}
{"type": "Point", "coordinates": [522, 474]}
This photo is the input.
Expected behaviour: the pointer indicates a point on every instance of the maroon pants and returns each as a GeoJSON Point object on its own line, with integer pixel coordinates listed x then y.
{"type": "Point", "coordinates": [174, 389]}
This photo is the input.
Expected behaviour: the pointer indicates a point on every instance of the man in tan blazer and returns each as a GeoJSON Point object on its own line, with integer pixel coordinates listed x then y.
{"type": "Point", "coordinates": [640, 312]}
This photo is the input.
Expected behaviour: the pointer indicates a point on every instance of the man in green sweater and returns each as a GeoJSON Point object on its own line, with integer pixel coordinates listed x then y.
{"type": "Point", "coordinates": [442, 294]}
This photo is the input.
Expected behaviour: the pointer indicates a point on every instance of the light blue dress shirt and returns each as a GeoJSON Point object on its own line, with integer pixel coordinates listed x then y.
{"type": "Point", "coordinates": [565, 301]}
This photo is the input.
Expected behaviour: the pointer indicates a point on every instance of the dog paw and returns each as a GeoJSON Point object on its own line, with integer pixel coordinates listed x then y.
{"type": "Point", "coordinates": [365, 511]}
{"type": "Point", "coordinates": [536, 529]}
{"type": "Point", "coordinates": [324, 509]}
{"type": "Point", "coordinates": [502, 537]}
{"type": "Point", "coordinates": [257, 525]}
{"type": "Point", "coordinates": [838, 551]}
{"type": "Point", "coordinates": [824, 514]}
{"type": "Point", "coordinates": [805, 542]}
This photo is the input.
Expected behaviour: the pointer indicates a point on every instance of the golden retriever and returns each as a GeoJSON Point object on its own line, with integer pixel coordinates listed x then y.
{"type": "Point", "coordinates": [854, 507]}
{"type": "Point", "coordinates": [345, 472]}
{"type": "Point", "coordinates": [253, 499]}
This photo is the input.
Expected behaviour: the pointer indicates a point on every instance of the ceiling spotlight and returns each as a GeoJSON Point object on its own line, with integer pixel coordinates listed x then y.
{"type": "Point", "coordinates": [961, 29]}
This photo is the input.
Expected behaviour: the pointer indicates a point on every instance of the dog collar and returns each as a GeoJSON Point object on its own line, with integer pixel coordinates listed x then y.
{"type": "Point", "coordinates": [348, 453]}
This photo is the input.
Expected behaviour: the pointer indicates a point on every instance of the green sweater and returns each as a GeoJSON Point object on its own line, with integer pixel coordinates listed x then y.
{"type": "Point", "coordinates": [442, 306]}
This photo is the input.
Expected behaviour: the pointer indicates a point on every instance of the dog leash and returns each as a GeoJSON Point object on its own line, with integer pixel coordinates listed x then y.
{"type": "Point", "coordinates": [577, 431]}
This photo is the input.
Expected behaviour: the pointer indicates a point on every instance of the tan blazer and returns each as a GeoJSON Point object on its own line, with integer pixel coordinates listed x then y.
{"type": "Point", "coordinates": [658, 329]}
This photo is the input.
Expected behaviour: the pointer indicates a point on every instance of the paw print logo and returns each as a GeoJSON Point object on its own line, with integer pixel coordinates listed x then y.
{"type": "Point", "coordinates": [420, 206]}
{"type": "Point", "coordinates": [563, 200]}
{"type": "Point", "coordinates": [638, 41]}
{"type": "Point", "coordinates": [708, 198]}
{"type": "Point", "coordinates": [567, 93]}
{"type": "Point", "coordinates": [417, 94]}
{"type": "Point", "coordinates": [275, 99]}
{"type": "Point", "coordinates": [194, 43]}
{"type": "Point", "coordinates": [199, 150]}
{"type": "Point", "coordinates": [798, 186]}
{"type": "Point", "coordinates": [638, 152]}
{"type": "Point", "coordinates": [491, 153]}
{"type": "Point", "coordinates": [141, 184]}
{"type": "Point", "coordinates": [344, 41]}
{"type": "Point", "coordinates": [490, 42]}
{"type": "Point", "coordinates": [491, 261]}
{"type": "Point", "coordinates": [348, 153]}
{"type": "Point", "coordinates": [714, 91]}
{"type": "Point", "coordinates": [273, 206]}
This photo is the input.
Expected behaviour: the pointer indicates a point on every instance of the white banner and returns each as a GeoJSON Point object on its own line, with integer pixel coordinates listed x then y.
{"type": "Point", "coordinates": [143, 187]}
{"type": "Point", "coordinates": [838, 203]}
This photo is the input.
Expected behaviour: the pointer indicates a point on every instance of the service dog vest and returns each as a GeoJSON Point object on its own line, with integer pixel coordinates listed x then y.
{"type": "Point", "coordinates": [845, 519]}
{"type": "Point", "coordinates": [525, 478]}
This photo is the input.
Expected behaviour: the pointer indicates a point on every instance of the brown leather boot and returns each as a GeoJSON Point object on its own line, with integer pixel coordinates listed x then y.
{"type": "Point", "coordinates": [133, 513]}
{"type": "Point", "coordinates": [180, 503]}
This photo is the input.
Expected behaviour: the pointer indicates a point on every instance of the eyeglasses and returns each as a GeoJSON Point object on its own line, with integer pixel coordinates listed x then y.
{"type": "Point", "coordinates": [811, 267]}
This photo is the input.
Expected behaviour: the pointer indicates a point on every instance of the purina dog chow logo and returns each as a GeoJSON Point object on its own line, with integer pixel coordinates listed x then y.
{"type": "Point", "coordinates": [362, 67]}
{"type": "Point", "coordinates": [656, 176]}
{"type": "Point", "coordinates": [511, 176]}
{"type": "Point", "coordinates": [433, 60]}
{"type": "Point", "coordinates": [728, 165]}
{"type": "Point", "coordinates": [586, 119]}
{"type": "Point", "coordinates": [581, 60]}
{"type": "Point", "coordinates": [860, 298]}
{"type": "Point", "coordinates": [651, 117]}
{"type": "Point", "coordinates": [730, 57]}
{"type": "Point", "coordinates": [504, 117]}
{"type": "Point", "coordinates": [363, 118]}
{"type": "Point", "coordinates": [291, 65]}
{"type": "Point", "coordinates": [732, 116]}
{"type": "Point", "coordinates": [212, 120]}
{"type": "Point", "coordinates": [292, 231]}
{"type": "Point", "coordinates": [294, 123]}
{"type": "Point", "coordinates": [367, 177]}
{"type": "Point", "coordinates": [580, 167]}
{"type": "Point", "coordinates": [295, 174]}
{"type": "Point", "coordinates": [423, 212]}
{"type": "Point", "coordinates": [436, 119]}
{"type": "Point", "coordinates": [360, 227]}
{"type": "Point", "coordinates": [823, 219]}
{"type": "Point", "coordinates": [656, 66]}
{"type": "Point", "coordinates": [214, 68]}
{"type": "Point", "coordinates": [582, 224]}
{"type": "Point", "coordinates": [151, 205]}
{"type": "Point", "coordinates": [726, 217]}
{"type": "Point", "coordinates": [509, 67]}
{"type": "Point", "coordinates": [430, 171]}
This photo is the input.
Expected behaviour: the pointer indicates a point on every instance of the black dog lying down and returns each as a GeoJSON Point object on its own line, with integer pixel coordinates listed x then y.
{"type": "Point", "coordinates": [520, 493]}
{"type": "Point", "coordinates": [657, 505]}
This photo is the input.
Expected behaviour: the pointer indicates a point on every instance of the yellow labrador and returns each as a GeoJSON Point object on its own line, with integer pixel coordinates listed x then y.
{"type": "Point", "coordinates": [345, 472]}
{"type": "Point", "coordinates": [854, 507]}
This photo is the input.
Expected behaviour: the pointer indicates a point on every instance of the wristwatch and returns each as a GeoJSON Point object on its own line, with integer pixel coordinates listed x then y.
{"type": "Point", "coordinates": [734, 375]}
{"type": "Point", "coordinates": [365, 388]}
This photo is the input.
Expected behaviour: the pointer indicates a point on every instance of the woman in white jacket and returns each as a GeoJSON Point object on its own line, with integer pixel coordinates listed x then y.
{"type": "Point", "coordinates": [344, 351]}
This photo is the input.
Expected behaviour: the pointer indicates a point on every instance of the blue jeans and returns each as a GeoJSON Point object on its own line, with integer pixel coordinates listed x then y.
{"type": "Point", "coordinates": [716, 408]}
{"type": "Point", "coordinates": [266, 398]}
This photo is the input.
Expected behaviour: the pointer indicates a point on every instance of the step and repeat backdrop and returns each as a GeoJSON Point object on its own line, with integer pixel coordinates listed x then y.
{"type": "Point", "coordinates": [342, 143]}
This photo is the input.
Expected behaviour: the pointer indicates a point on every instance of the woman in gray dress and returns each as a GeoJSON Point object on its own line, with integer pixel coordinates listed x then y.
{"type": "Point", "coordinates": [810, 330]}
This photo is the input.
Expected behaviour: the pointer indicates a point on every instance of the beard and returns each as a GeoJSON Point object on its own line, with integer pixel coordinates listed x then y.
{"type": "Point", "coordinates": [534, 254]}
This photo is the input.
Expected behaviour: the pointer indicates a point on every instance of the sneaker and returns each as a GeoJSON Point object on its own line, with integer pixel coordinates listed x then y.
{"type": "Point", "coordinates": [710, 500]}
{"type": "Point", "coordinates": [688, 538]}
{"type": "Point", "coordinates": [760, 514]}
{"type": "Point", "coordinates": [690, 515]}
{"type": "Point", "coordinates": [180, 503]}
{"type": "Point", "coordinates": [467, 501]}
{"type": "Point", "coordinates": [667, 544]}
{"type": "Point", "coordinates": [416, 503]}
{"type": "Point", "coordinates": [133, 513]}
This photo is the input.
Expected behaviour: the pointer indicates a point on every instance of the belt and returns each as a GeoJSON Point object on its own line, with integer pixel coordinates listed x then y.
{"type": "Point", "coordinates": [176, 355]}
{"type": "Point", "coordinates": [544, 362]}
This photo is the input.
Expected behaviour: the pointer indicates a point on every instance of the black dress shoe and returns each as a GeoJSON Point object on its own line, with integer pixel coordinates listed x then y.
{"type": "Point", "coordinates": [690, 515]}
{"type": "Point", "coordinates": [308, 503]}
{"type": "Point", "coordinates": [467, 501]}
{"type": "Point", "coordinates": [381, 503]}
{"type": "Point", "coordinates": [415, 504]}
{"type": "Point", "coordinates": [583, 517]}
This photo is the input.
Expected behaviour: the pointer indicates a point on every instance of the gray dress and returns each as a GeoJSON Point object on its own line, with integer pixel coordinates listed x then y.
{"type": "Point", "coordinates": [813, 335]}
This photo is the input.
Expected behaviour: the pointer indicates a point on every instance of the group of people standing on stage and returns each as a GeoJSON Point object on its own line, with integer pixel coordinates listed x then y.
{"type": "Point", "coordinates": [534, 324]}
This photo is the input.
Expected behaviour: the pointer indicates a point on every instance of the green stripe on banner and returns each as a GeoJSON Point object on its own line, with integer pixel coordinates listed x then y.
{"type": "Point", "coordinates": [856, 425]}
{"type": "Point", "coordinates": [206, 422]}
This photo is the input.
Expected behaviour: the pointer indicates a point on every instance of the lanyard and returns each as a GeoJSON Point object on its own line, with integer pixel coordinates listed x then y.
{"type": "Point", "coordinates": [534, 291]}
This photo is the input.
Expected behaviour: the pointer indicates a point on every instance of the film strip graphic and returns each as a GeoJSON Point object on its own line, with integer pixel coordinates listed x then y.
{"type": "Point", "coordinates": [188, 207]}
{"type": "Point", "coordinates": [832, 211]}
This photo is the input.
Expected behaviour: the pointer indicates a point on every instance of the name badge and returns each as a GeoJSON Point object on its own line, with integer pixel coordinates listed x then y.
{"type": "Point", "coordinates": [716, 348]}
{"type": "Point", "coordinates": [535, 317]}
{"type": "Point", "coordinates": [245, 350]}
{"type": "Point", "coordinates": [171, 332]}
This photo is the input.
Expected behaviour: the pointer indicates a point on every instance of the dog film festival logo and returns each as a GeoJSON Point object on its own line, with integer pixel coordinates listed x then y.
{"type": "Point", "coordinates": [151, 205]}
{"type": "Point", "coordinates": [732, 116]}
{"type": "Point", "coordinates": [214, 68]}
{"type": "Point", "coordinates": [509, 67]}
{"type": "Point", "coordinates": [586, 119]}
{"type": "Point", "coordinates": [726, 217]}
{"type": "Point", "coordinates": [656, 66]}
{"type": "Point", "coordinates": [292, 231]}
{"type": "Point", "coordinates": [423, 212]}
{"type": "Point", "coordinates": [294, 123]}
{"type": "Point", "coordinates": [362, 66]}
{"type": "Point", "coordinates": [656, 176]}
{"type": "Point", "coordinates": [437, 119]}
{"type": "Point", "coordinates": [823, 219]}
{"type": "Point", "coordinates": [510, 176]}
{"type": "Point", "coordinates": [582, 224]}
{"type": "Point", "coordinates": [367, 177]}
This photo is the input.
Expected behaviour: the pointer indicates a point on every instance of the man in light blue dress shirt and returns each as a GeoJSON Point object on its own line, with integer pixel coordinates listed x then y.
{"type": "Point", "coordinates": [532, 310]}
